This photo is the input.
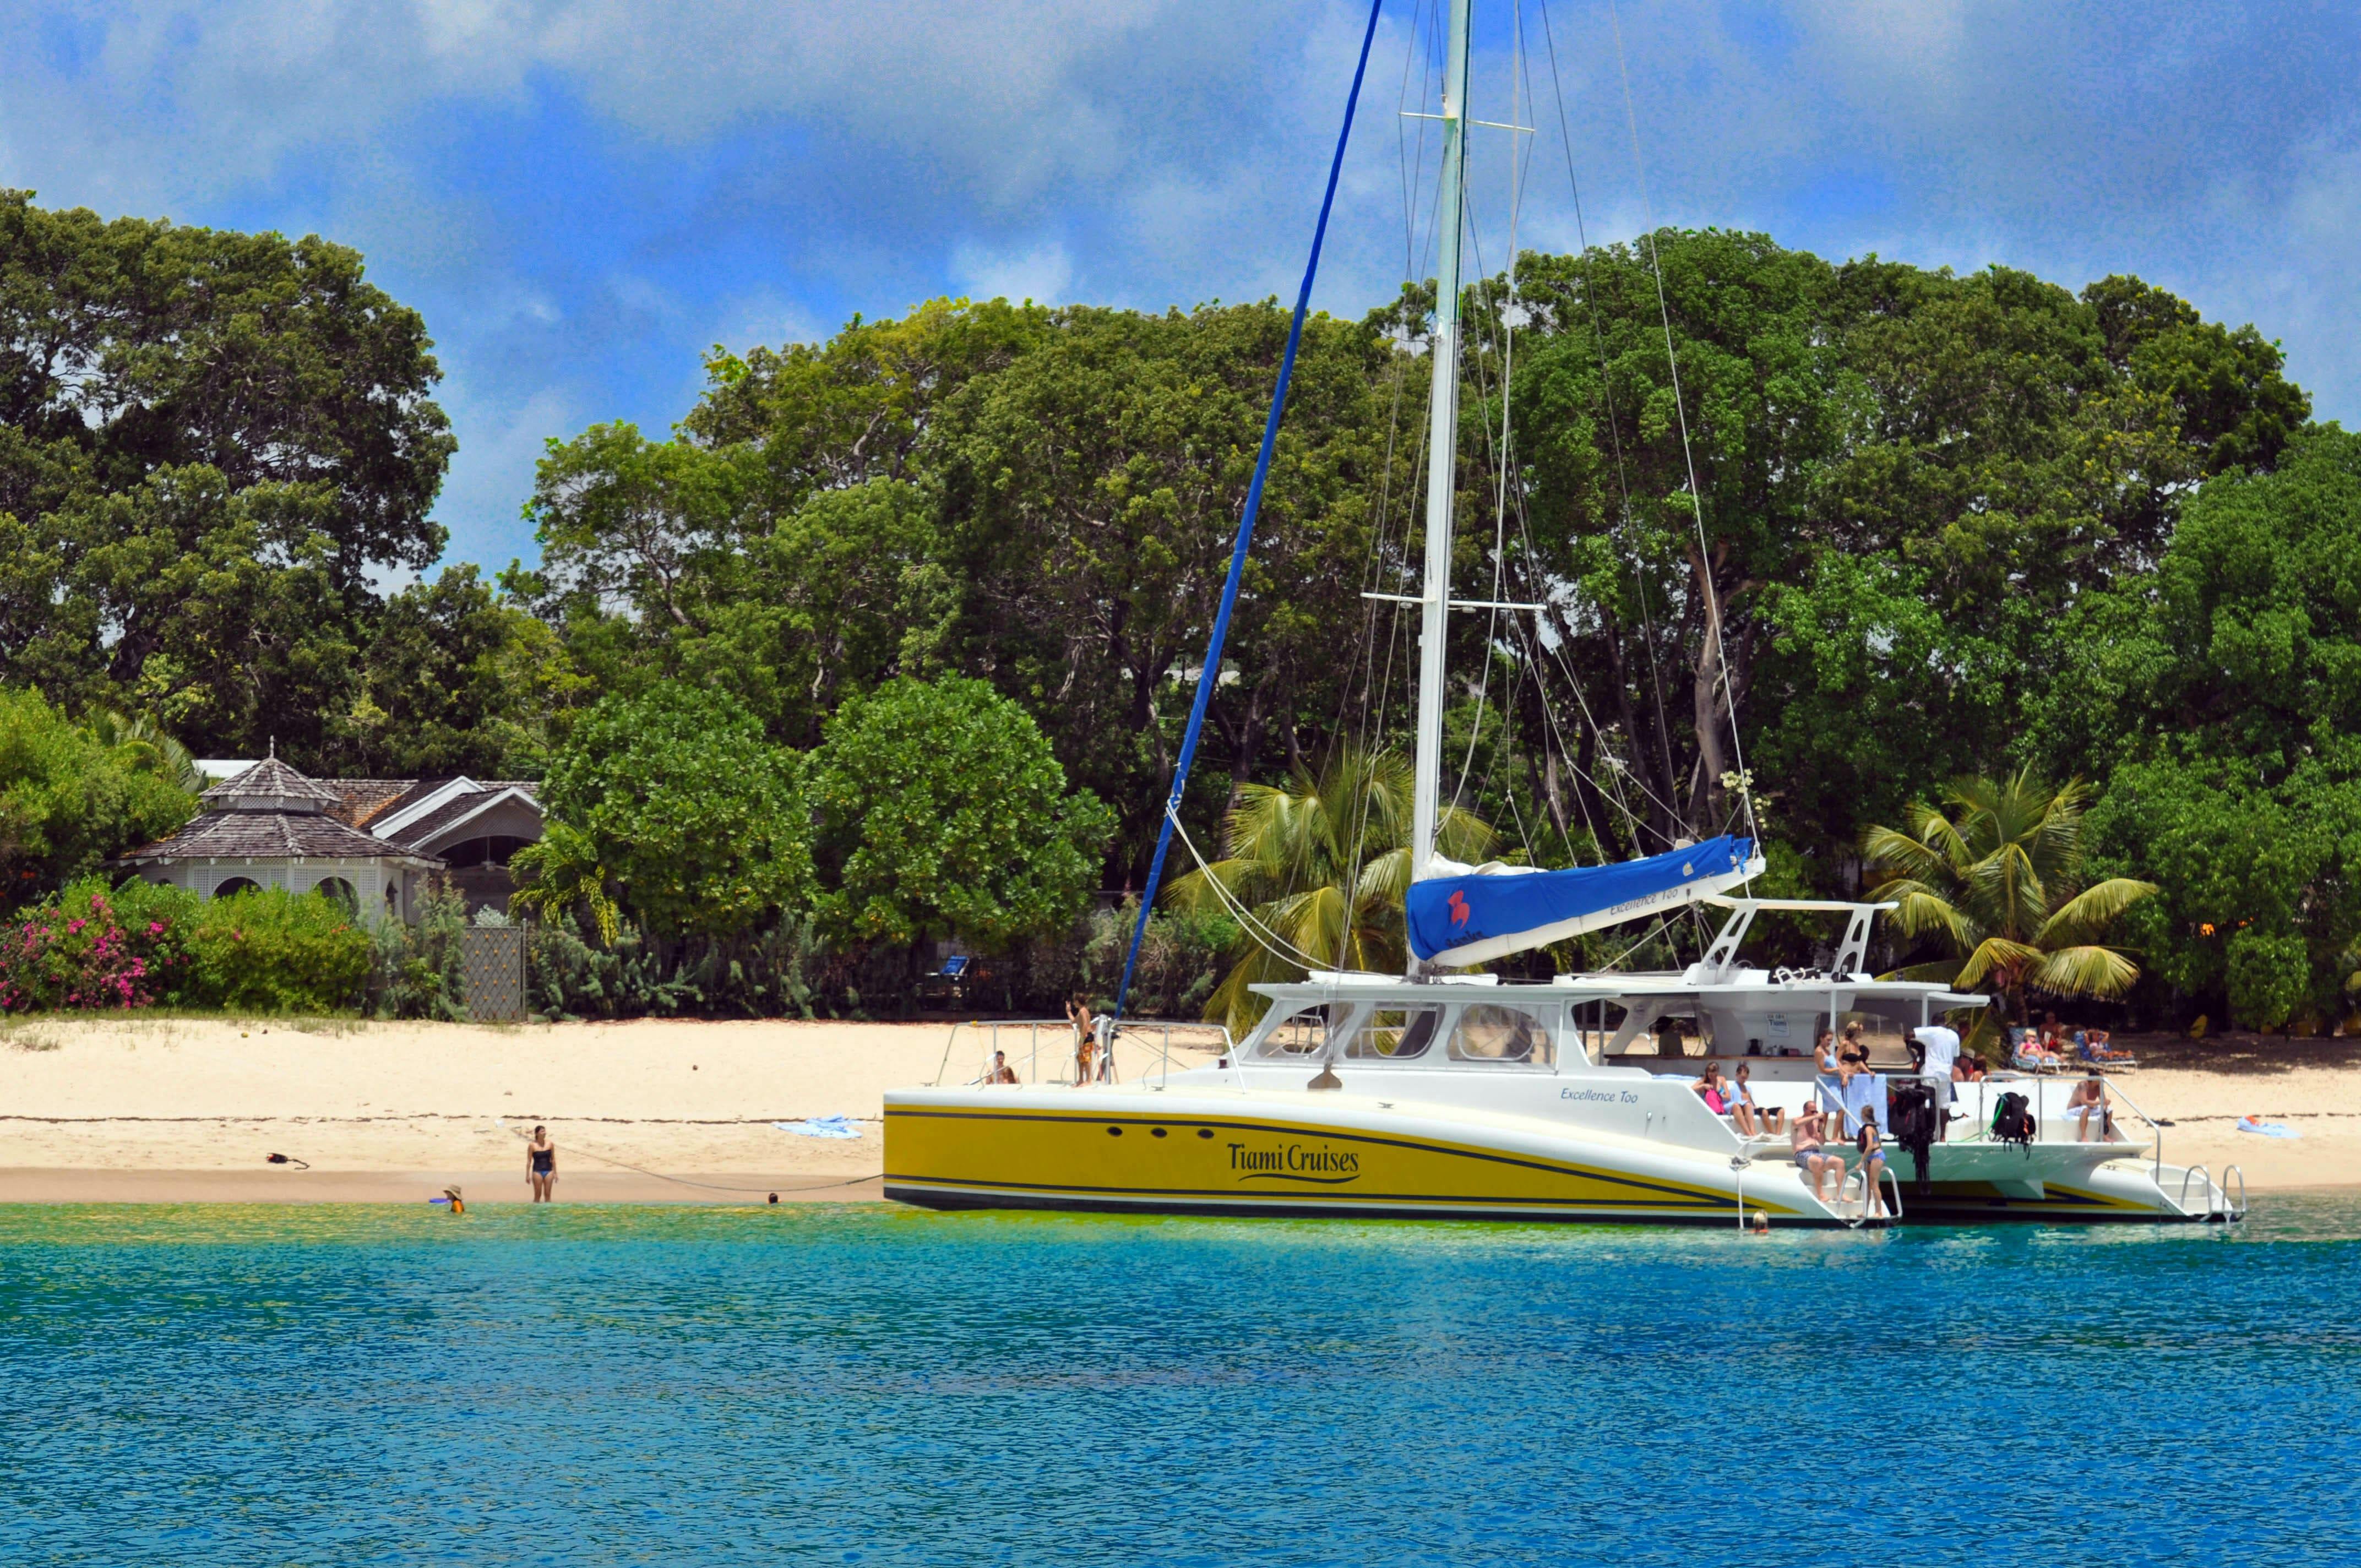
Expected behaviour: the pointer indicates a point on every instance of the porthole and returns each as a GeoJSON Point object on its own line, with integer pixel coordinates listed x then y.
{"type": "Point", "coordinates": [1157, 1133]}
{"type": "Point", "coordinates": [1115, 1131]}
{"type": "Point", "coordinates": [1204, 1132]}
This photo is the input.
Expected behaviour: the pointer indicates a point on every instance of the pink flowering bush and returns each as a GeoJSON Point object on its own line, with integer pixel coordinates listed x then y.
{"type": "Point", "coordinates": [94, 947]}
{"type": "Point", "coordinates": [141, 944]}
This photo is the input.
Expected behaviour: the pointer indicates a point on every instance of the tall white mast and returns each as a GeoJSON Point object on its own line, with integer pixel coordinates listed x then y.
{"type": "Point", "coordinates": [1443, 437]}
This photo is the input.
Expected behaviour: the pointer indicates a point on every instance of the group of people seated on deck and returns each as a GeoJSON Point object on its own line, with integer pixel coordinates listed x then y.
{"type": "Point", "coordinates": [1734, 1098]}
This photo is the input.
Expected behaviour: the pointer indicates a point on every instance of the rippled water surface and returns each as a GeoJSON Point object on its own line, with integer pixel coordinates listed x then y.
{"type": "Point", "coordinates": [354, 1386]}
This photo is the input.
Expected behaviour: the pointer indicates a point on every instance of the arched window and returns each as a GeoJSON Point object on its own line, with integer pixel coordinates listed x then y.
{"type": "Point", "coordinates": [344, 893]}
{"type": "Point", "coordinates": [492, 851]}
{"type": "Point", "coordinates": [238, 884]}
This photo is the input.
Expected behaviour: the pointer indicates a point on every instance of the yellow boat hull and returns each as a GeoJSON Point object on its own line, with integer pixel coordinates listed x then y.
{"type": "Point", "coordinates": [1203, 1155]}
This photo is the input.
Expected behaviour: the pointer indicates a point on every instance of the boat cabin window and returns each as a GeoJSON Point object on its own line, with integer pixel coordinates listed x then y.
{"type": "Point", "coordinates": [1487, 1032]}
{"type": "Point", "coordinates": [1394, 1033]}
{"type": "Point", "coordinates": [1299, 1038]}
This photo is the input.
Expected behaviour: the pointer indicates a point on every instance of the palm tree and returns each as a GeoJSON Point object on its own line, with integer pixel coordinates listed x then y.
{"type": "Point", "coordinates": [1996, 873]}
{"type": "Point", "coordinates": [1316, 868]}
{"type": "Point", "coordinates": [561, 869]}
{"type": "Point", "coordinates": [147, 745]}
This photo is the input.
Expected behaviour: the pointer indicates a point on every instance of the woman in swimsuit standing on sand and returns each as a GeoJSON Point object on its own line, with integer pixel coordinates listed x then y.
{"type": "Point", "coordinates": [541, 1166]}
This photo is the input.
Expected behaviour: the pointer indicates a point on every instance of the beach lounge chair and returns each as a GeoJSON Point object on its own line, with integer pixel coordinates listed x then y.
{"type": "Point", "coordinates": [2097, 1056]}
{"type": "Point", "coordinates": [2023, 1045]}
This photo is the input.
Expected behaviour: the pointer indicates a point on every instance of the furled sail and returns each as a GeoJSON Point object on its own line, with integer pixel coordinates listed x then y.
{"type": "Point", "coordinates": [1474, 916]}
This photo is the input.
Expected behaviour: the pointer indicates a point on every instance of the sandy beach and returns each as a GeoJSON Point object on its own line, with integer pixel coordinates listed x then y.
{"type": "Point", "coordinates": [188, 1110]}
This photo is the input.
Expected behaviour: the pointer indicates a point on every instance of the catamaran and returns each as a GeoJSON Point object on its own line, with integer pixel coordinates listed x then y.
{"type": "Point", "coordinates": [1448, 1093]}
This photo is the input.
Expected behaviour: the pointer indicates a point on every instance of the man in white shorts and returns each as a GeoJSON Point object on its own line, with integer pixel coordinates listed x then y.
{"type": "Point", "coordinates": [1942, 1049]}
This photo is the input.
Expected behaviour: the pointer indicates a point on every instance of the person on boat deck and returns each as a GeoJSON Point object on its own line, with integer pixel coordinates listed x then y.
{"type": "Point", "coordinates": [1969, 1068]}
{"type": "Point", "coordinates": [1001, 1072]}
{"type": "Point", "coordinates": [1824, 1054]}
{"type": "Point", "coordinates": [1871, 1144]}
{"type": "Point", "coordinates": [1710, 1088]}
{"type": "Point", "coordinates": [1768, 1115]}
{"type": "Point", "coordinates": [1938, 1052]}
{"type": "Point", "coordinates": [1742, 1109]}
{"type": "Point", "coordinates": [2090, 1099]}
{"type": "Point", "coordinates": [1102, 1036]}
{"type": "Point", "coordinates": [1819, 1167]}
{"type": "Point", "coordinates": [1086, 1042]}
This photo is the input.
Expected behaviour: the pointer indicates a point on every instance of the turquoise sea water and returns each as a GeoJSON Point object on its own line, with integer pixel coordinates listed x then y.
{"type": "Point", "coordinates": [360, 1385]}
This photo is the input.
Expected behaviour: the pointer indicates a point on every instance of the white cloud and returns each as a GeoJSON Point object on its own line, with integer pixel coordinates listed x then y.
{"type": "Point", "coordinates": [1040, 272]}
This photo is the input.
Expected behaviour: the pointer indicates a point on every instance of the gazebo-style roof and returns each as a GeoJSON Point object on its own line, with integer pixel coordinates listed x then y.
{"type": "Point", "coordinates": [270, 812]}
{"type": "Point", "coordinates": [268, 785]}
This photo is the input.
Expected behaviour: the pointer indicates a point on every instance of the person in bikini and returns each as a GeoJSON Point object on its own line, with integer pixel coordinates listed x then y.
{"type": "Point", "coordinates": [541, 1166]}
{"type": "Point", "coordinates": [1086, 1042]}
{"type": "Point", "coordinates": [1871, 1144]}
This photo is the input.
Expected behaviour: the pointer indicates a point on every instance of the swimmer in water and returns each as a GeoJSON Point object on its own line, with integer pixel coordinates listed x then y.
{"type": "Point", "coordinates": [541, 1166]}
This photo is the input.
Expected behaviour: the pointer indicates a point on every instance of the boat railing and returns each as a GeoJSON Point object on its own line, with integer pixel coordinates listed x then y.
{"type": "Point", "coordinates": [2238, 1211]}
{"type": "Point", "coordinates": [2205, 1178]}
{"type": "Point", "coordinates": [1023, 1039]}
{"type": "Point", "coordinates": [2155, 1127]}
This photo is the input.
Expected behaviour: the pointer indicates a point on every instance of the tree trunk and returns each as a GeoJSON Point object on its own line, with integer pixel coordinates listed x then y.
{"type": "Point", "coordinates": [1659, 793]}
{"type": "Point", "coordinates": [1246, 741]}
{"type": "Point", "coordinates": [1709, 796]}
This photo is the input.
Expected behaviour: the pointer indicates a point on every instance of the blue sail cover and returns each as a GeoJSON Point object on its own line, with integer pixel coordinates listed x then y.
{"type": "Point", "coordinates": [1478, 916]}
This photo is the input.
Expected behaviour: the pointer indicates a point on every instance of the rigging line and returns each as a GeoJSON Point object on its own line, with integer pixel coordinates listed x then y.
{"type": "Point", "coordinates": [1696, 495]}
{"type": "Point", "coordinates": [1402, 138]}
{"type": "Point", "coordinates": [1209, 673]}
{"type": "Point", "coordinates": [1501, 454]}
{"type": "Point", "coordinates": [1620, 532]}
{"type": "Point", "coordinates": [1370, 730]}
{"type": "Point", "coordinates": [1653, 933]}
{"type": "Point", "coordinates": [1553, 731]}
{"type": "Point", "coordinates": [1636, 783]}
{"type": "Point", "coordinates": [1269, 940]}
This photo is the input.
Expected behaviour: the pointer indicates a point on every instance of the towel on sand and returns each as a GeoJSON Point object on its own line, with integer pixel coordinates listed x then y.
{"type": "Point", "coordinates": [822, 1127]}
{"type": "Point", "coordinates": [2269, 1129]}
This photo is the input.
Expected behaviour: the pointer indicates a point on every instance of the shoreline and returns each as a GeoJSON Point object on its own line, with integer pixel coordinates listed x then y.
{"type": "Point", "coordinates": [145, 1110]}
{"type": "Point", "coordinates": [68, 1185]}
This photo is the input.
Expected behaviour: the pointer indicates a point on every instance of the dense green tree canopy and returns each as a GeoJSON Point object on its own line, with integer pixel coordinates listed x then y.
{"type": "Point", "coordinates": [942, 812]}
{"type": "Point", "coordinates": [210, 443]}
{"type": "Point", "coordinates": [69, 798]}
{"type": "Point", "coordinates": [2223, 694]}
{"type": "Point", "coordinates": [676, 800]}
{"type": "Point", "coordinates": [1907, 526]}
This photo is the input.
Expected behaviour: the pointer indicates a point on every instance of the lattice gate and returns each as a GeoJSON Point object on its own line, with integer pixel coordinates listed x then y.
{"type": "Point", "coordinates": [491, 969]}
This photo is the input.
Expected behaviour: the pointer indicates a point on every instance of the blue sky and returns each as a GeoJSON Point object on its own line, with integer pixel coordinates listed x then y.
{"type": "Point", "coordinates": [581, 195]}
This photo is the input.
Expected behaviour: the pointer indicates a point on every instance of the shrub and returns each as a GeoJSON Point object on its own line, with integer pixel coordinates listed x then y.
{"type": "Point", "coordinates": [275, 951]}
{"type": "Point", "coordinates": [94, 947]}
{"type": "Point", "coordinates": [766, 975]}
{"type": "Point", "coordinates": [414, 970]}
